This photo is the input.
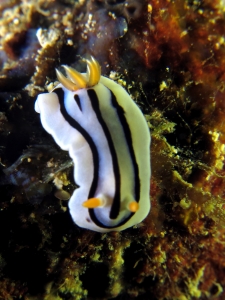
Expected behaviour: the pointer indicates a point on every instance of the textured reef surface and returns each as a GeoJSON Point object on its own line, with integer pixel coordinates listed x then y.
{"type": "Point", "coordinates": [170, 56]}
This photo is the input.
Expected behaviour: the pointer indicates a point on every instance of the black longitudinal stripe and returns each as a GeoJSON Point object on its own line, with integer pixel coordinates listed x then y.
{"type": "Point", "coordinates": [91, 211]}
{"type": "Point", "coordinates": [128, 136]}
{"type": "Point", "coordinates": [77, 99]}
{"type": "Point", "coordinates": [115, 209]}
{"type": "Point", "coordinates": [76, 125]}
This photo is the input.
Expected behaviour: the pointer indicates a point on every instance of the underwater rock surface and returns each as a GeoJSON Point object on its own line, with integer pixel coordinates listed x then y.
{"type": "Point", "coordinates": [170, 56]}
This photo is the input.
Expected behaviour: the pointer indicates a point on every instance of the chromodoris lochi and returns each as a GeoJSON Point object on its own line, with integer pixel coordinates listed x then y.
{"type": "Point", "coordinates": [107, 137]}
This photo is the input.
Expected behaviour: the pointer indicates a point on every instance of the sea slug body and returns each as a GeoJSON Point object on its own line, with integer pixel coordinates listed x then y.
{"type": "Point", "coordinates": [107, 137]}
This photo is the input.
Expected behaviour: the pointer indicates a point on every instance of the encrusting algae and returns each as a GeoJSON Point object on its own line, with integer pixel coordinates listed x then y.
{"type": "Point", "coordinates": [170, 56]}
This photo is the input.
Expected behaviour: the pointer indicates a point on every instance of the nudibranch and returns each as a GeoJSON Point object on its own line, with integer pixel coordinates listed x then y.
{"type": "Point", "coordinates": [107, 137]}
